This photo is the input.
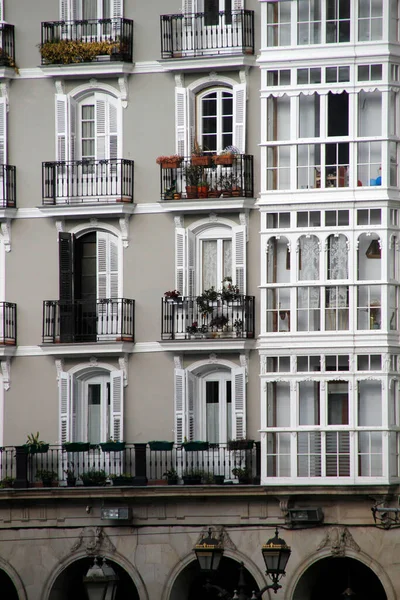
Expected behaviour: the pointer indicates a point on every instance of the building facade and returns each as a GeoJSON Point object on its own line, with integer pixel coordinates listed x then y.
{"type": "Point", "coordinates": [199, 277]}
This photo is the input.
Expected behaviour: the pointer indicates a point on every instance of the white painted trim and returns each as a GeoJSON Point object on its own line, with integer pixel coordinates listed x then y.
{"type": "Point", "coordinates": [199, 226]}
{"type": "Point", "coordinates": [214, 79]}
{"type": "Point", "coordinates": [2, 420]}
{"type": "Point", "coordinates": [91, 366]}
{"type": "Point", "coordinates": [83, 228]}
{"type": "Point", "coordinates": [80, 210]}
{"type": "Point", "coordinates": [208, 363]}
{"type": "Point", "coordinates": [87, 89]}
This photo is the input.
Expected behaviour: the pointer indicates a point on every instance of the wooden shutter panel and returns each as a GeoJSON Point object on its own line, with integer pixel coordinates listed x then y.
{"type": "Point", "coordinates": [181, 121]}
{"type": "Point", "coordinates": [72, 110]}
{"type": "Point", "coordinates": [113, 276]}
{"type": "Point", "coordinates": [190, 7]}
{"type": "Point", "coordinates": [64, 10]}
{"type": "Point", "coordinates": [239, 403]}
{"type": "Point", "coordinates": [239, 117]}
{"type": "Point", "coordinates": [191, 394]}
{"type": "Point", "coordinates": [179, 392]}
{"type": "Point", "coordinates": [65, 252]}
{"type": "Point", "coordinates": [64, 395]}
{"type": "Point", "coordinates": [192, 122]}
{"type": "Point", "coordinates": [3, 131]}
{"type": "Point", "coordinates": [239, 257]}
{"type": "Point", "coordinates": [61, 127]}
{"type": "Point", "coordinates": [191, 264]}
{"type": "Point", "coordinates": [107, 265]}
{"type": "Point", "coordinates": [117, 405]}
{"type": "Point", "coordinates": [113, 130]}
{"type": "Point", "coordinates": [238, 5]}
{"type": "Point", "coordinates": [101, 128]}
{"type": "Point", "coordinates": [180, 260]}
{"type": "Point", "coordinates": [117, 9]}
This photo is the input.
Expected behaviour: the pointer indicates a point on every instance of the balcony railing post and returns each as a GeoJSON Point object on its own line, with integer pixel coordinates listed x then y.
{"type": "Point", "coordinates": [140, 463]}
{"type": "Point", "coordinates": [21, 456]}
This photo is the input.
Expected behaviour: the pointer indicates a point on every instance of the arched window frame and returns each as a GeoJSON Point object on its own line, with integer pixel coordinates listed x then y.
{"type": "Point", "coordinates": [220, 115]}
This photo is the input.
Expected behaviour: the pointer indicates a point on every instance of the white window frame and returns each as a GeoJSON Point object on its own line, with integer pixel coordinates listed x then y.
{"type": "Point", "coordinates": [219, 235]}
{"type": "Point", "coordinates": [71, 10]}
{"type": "Point", "coordinates": [219, 91]}
{"type": "Point", "coordinates": [222, 377]}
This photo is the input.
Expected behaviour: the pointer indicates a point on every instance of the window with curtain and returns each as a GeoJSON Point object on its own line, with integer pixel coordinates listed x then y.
{"type": "Point", "coordinates": [218, 407]}
{"type": "Point", "coordinates": [216, 261]}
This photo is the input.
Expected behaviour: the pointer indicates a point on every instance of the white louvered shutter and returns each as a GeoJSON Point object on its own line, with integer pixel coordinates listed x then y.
{"type": "Point", "coordinates": [192, 121]}
{"type": "Point", "coordinates": [72, 109]}
{"type": "Point", "coordinates": [238, 5]}
{"type": "Point", "coordinates": [61, 127]}
{"type": "Point", "coordinates": [107, 265]}
{"type": "Point", "coordinates": [239, 117]}
{"type": "Point", "coordinates": [101, 127]}
{"type": "Point", "coordinates": [3, 132]}
{"type": "Point", "coordinates": [239, 257]}
{"type": "Point", "coordinates": [190, 7]}
{"type": "Point", "coordinates": [64, 395]}
{"type": "Point", "coordinates": [191, 400]}
{"type": "Point", "coordinates": [113, 130]}
{"type": "Point", "coordinates": [180, 260]}
{"type": "Point", "coordinates": [191, 263]}
{"type": "Point", "coordinates": [180, 393]}
{"type": "Point", "coordinates": [117, 406]}
{"type": "Point", "coordinates": [117, 9]}
{"type": "Point", "coordinates": [181, 121]}
{"type": "Point", "coordinates": [239, 403]}
{"type": "Point", "coordinates": [64, 10]}
{"type": "Point", "coordinates": [76, 418]}
{"type": "Point", "coordinates": [1, 10]}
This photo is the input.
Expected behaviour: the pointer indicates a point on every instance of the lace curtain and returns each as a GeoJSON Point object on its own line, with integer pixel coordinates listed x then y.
{"type": "Point", "coordinates": [309, 270]}
{"type": "Point", "coordinates": [337, 269]}
{"type": "Point", "coordinates": [211, 260]}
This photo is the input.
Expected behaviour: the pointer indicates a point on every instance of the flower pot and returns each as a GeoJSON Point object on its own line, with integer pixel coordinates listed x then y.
{"type": "Point", "coordinates": [214, 194]}
{"type": "Point", "coordinates": [201, 161]}
{"type": "Point", "coordinates": [123, 481]}
{"type": "Point", "coordinates": [170, 165]}
{"type": "Point", "coordinates": [191, 191]}
{"type": "Point", "coordinates": [71, 481]}
{"type": "Point", "coordinates": [240, 444]}
{"type": "Point", "coordinates": [112, 446]}
{"type": "Point", "coordinates": [161, 445]}
{"type": "Point", "coordinates": [219, 479]}
{"type": "Point", "coordinates": [172, 481]}
{"type": "Point", "coordinates": [36, 448]}
{"type": "Point", "coordinates": [177, 196]}
{"type": "Point", "coordinates": [223, 159]}
{"type": "Point", "coordinates": [195, 446]}
{"type": "Point", "coordinates": [76, 446]}
{"type": "Point", "coordinates": [227, 194]}
{"type": "Point", "coordinates": [202, 191]}
{"type": "Point", "coordinates": [244, 480]}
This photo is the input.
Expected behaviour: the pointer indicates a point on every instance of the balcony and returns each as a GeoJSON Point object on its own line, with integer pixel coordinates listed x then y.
{"type": "Point", "coordinates": [7, 187]}
{"type": "Point", "coordinates": [88, 41]}
{"type": "Point", "coordinates": [215, 464]}
{"type": "Point", "coordinates": [8, 324]}
{"type": "Point", "coordinates": [201, 34]}
{"type": "Point", "coordinates": [108, 319]}
{"type": "Point", "coordinates": [217, 186]}
{"type": "Point", "coordinates": [7, 46]}
{"type": "Point", "coordinates": [87, 182]}
{"type": "Point", "coordinates": [185, 318]}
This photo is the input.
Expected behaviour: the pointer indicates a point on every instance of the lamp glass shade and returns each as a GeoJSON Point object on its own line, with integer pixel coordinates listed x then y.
{"type": "Point", "coordinates": [101, 582]}
{"type": "Point", "coordinates": [209, 552]}
{"type": "Point", "coordinates": [276, 554]}
{"type": "Point", "coordinates": [96, 590]}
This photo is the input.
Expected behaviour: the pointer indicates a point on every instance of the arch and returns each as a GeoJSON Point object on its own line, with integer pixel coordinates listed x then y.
{"type": "Point", "coordinates": [204, 224]}
{"type": "Point", "coordinates": [80, 91]}
{"type": "Point", "coordinates": [207, 82]}
{"type": "Point", "coordinates": [292, 582]}
{"type": "Point", "coordinates": [83, 228]}
{"type": "Point", "coordinates": [200, 366]}
{"type": "Point", "coordinates": [116, 558]}
{"type": "Point", "coordinates": [15, 579]}
{"type": "Point", "coordinates": [90, 367]}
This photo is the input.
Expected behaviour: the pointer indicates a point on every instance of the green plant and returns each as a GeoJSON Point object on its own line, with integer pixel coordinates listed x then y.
{"type": "Point", "coordinates": [122, 476]}
{"type": "Point", "coordinates": [172, 294]}
{"type": "Point", "coordinates": [238, 325]}
{"type": "Point", "coordinates": [194, 328]}
{"type": "Point", "coordinates": [94, 477]}
{"type": "Point", "coordinates": [193, 473]}
{"type": "Point", "coordinates": [33, 439]}
{"type": "Point", "coordinates": [7, 482]}
{"type": "Point", "coordinates": [219, 322]}
{"type": "Point", "coordinates": [242, 472]}
{"type": "Point", "coordinates": [46, 475]}
{"type": "Point", "coordinates": [193, 174]}
{"type": "Point", "coordinates": [70, 470]}
{"type": "Point", "coordinates": [205, 298]}
{"type": "Point", "coordinates": [172, 475]}
{"type": "Point", "coordinates": [67, 52]}
{"type": "Point", "coordinates": [229, 291]}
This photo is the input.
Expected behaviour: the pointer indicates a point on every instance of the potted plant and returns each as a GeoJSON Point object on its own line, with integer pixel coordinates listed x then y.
{"type": "Point", "coordinates": [122, 480]}
{"type": "Point", "coordinates": [219, 479]}
{"type": "Point", "coordinates": [94, 477]}
{"type": "Point", "coordinates": [70, 473]}
{"type": "Point", "coordinates": [206, 300]}
{"type": "Point", "coordinates": [161, 445]}
{"type": "Point", "coordinates": [47, 477]}
{"type": "Point", "coordinates": [171, 477]}
{"type": "Point", "coordinates": [199, 157]}
{"type": "Point", "coordinates": [112, 446]}
{"type": "Point", "coordinates": [243, 474]}
{"type": "Point", "coordinates": [34, 445]}
{"type": "Point", "coordinates": [169, 162]}
{"type": "Point", "coordinates": [7, 482]}
{"type": "Point", "coordinates": [240, 444]}
{"type": "Point", "coordinates": [238, 326]}
{"type": "Point", "coordinates": [172, 295]}
{"type": "Point", "coordinates": [229, 291]}
{"type": "Point", "coordinates": [193, 175]}
{"type": "Point", "coordinates": [195, 446]}
{"type": "Point", "coordinates": [202, 189]}
{"type": "Point", "coordinates": [195, 330]}
{"type": "Point", "coordinates": [192, 477]}
{"type": "Point", "coordinates": [226, 157]}
{"type": "Point", "coordinates": [219, 322]}
{"type": "Point", "coordinates": [76, 446]}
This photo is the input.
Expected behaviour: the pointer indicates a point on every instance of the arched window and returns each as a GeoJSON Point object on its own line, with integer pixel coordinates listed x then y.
{"type": "Point", "coordinates": [369, 257]}
{"type": "Point", "coordinates": [91, 405]}
{"type": "Point", "coordinates": [278, 261]}
{"type": "Point", "coordinates": [215, 119]}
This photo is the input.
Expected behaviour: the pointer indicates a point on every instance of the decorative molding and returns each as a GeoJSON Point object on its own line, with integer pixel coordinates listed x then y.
{"type": "Point", "coordinates": [244, 363]}
{"type": "Point", "coordinates": [6, 232]}
{"type": "Point", "coordinates": [123, 365]}
{"type": "Point", "coordinates": [59, 362]}
{"type": "Point", "coordinates": [220, 534]}
{"type": "Point", "coordinates": [94, 540]}
{"type": "Point", "coordinates": [178, 361]}
{"type": "Point", "coordinates": [212, 358]}
{"type": "Point", "coordinates": [284, 504]}
{"type": "Point", "coordinates": [123, 88]}
{"type": "Point", "coordinates": [213, 217]}
{"type": "Point", "coordinates": [59, 84]}
{"type": "Point", "coordinates": [178, 221]}
{"type": "Point", "coordinates": [263, 364]}
{"type": "Point", "coordinates": [94, 221]}
{"type": "Point", "coordinates": [5, 86]}
{"type": "Point", "coordinates": [179, 80]}
{"type": "Point", "coordinates": [338, 539]}
{"type": "Point", "coordinates": [244, 221]}
{"type": "Point", "coordinates": [124, 226]}
{"type": "Point", "coordinates": [92, 82]}
{"type": "Point", "coordinates": [244, 76]}
{"type": "Point", "coordinates": [6, 372]}
{"type": "Point", "coordinates": [60, 226]}
{"type": "Point", "coordinates": [213, 76]}
{"type": "Point", "coordinates": [93, 361]}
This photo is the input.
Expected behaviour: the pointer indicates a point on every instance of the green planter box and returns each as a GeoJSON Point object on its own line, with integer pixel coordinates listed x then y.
{"type": "Point", "coordinates": [36, 448]}
{"type": "Point", "coordinates": [195, 446]}
{"type": "Point", "coordinates": [123, 481]}
{"type": "Point", "coordinates": [112, 446]}
{"type": "Point", "coordinates": [191, 480]}
{"type": "Point", "coordinates": [161, 445]}
{"type": "Point", "coordinates": [241, 445]}
{"type": "Point", "coordinates": [76, 446]}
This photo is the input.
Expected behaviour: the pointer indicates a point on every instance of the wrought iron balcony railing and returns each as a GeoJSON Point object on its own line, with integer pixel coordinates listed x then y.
{"type": "Point", "coordinates": [188, 179]}
{"type": "Point", "coordinates": [215, 463]}
{"type": "Point", "coordinates": [87, 181]}
{"type": "Point", "coordinates": [8, 324]}
{"type": "Point", "coordinates": [89, 40]}
{"type": "Point", "coordinates": [7, 45]}
{"type": "Point", "coordinates": [185, 318]}
{"type": "Point", "coordinates": [202, 34]}
{"type": "Point", "coordinates": [7, 187]}
{"type": "Point", "coordinates": [107, 319]}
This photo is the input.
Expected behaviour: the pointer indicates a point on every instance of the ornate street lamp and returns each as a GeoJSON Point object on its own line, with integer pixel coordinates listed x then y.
{"type": "Point", "coordinates": [101, 582]}
{"type": "Point", "coordinates": [275, 552]}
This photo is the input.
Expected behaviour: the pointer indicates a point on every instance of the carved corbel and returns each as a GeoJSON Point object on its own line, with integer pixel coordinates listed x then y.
{"type": "Point", "coordinates": [123, 365]}
{"type": "Point", "coordinates": [244, 221]}
{"type": "Point", "coordinates": [178, 361]}
{"type": "Point", "coordinates": [59, 84]}
{"type": "Point", "coordinates": [179, 80]}
{"type": "Point", "coordinates": [59, 362]}
{"type": "Point", "coordinates": [244, 363]}
{"type": "Point", "coordinates": [123, 88]}
{"type": "Point", "coordinates": [60, 226]}
{"type": "Point", "coordinates": [6, 232]}
{"type": "Point", "coordinates": [124, 226]}
{"type": "Point", "coordinates": [179, 223]}
{"type": "Point", "coordinates": [6, 372]}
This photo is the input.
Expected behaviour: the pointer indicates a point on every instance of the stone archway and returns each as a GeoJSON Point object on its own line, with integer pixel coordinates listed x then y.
{"type": "Point", "coordinates": [7, 587]}
{"type": "Point", "coordinates": [69, 583]}
{"type": "Point", "coordinates": [189, 583]}
{"type": "Point", "coordinates": [329, 577]}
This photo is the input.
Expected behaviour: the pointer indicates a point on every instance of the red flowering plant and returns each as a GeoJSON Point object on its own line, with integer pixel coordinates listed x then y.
{"type": "Point", "coordinates": [173, 294]}
{"type": "Point", "coordinates": [194, 328]}
{"type": "Point", "coordinates": [229, 291]}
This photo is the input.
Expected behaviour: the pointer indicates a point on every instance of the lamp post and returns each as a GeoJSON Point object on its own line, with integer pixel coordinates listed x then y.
{"type": "Point", "coordinates": [101, 582]}
{"type": "Point", "coordinates": [275, 552]}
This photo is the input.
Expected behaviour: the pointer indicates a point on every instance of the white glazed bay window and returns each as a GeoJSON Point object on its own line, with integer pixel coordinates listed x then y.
{"type": "Point", "coordinates": [331, 430]}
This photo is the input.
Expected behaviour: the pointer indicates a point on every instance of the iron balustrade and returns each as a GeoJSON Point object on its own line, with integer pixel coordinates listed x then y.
{"type": "Point", "coordinates": [200, 34]}
{"type": "Point", "coordinates": [191, 181]}
{"type": "Point", "coordinates": [183, 318]}
{"type": "Point", "coordinates": [88, 321]}
{"type": "Point", "coordinates": [8, 324]}
{"type": "Point", "coordinates": [87, 181]}
{"type": "Point", "coordinates": [8, 186]}
{"type": "Point", "coordinates": [217, 463]}
{"type": "Point", "coordinates": [114, 36]}
{"type": "Point", "coordinates": [7, 45]}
